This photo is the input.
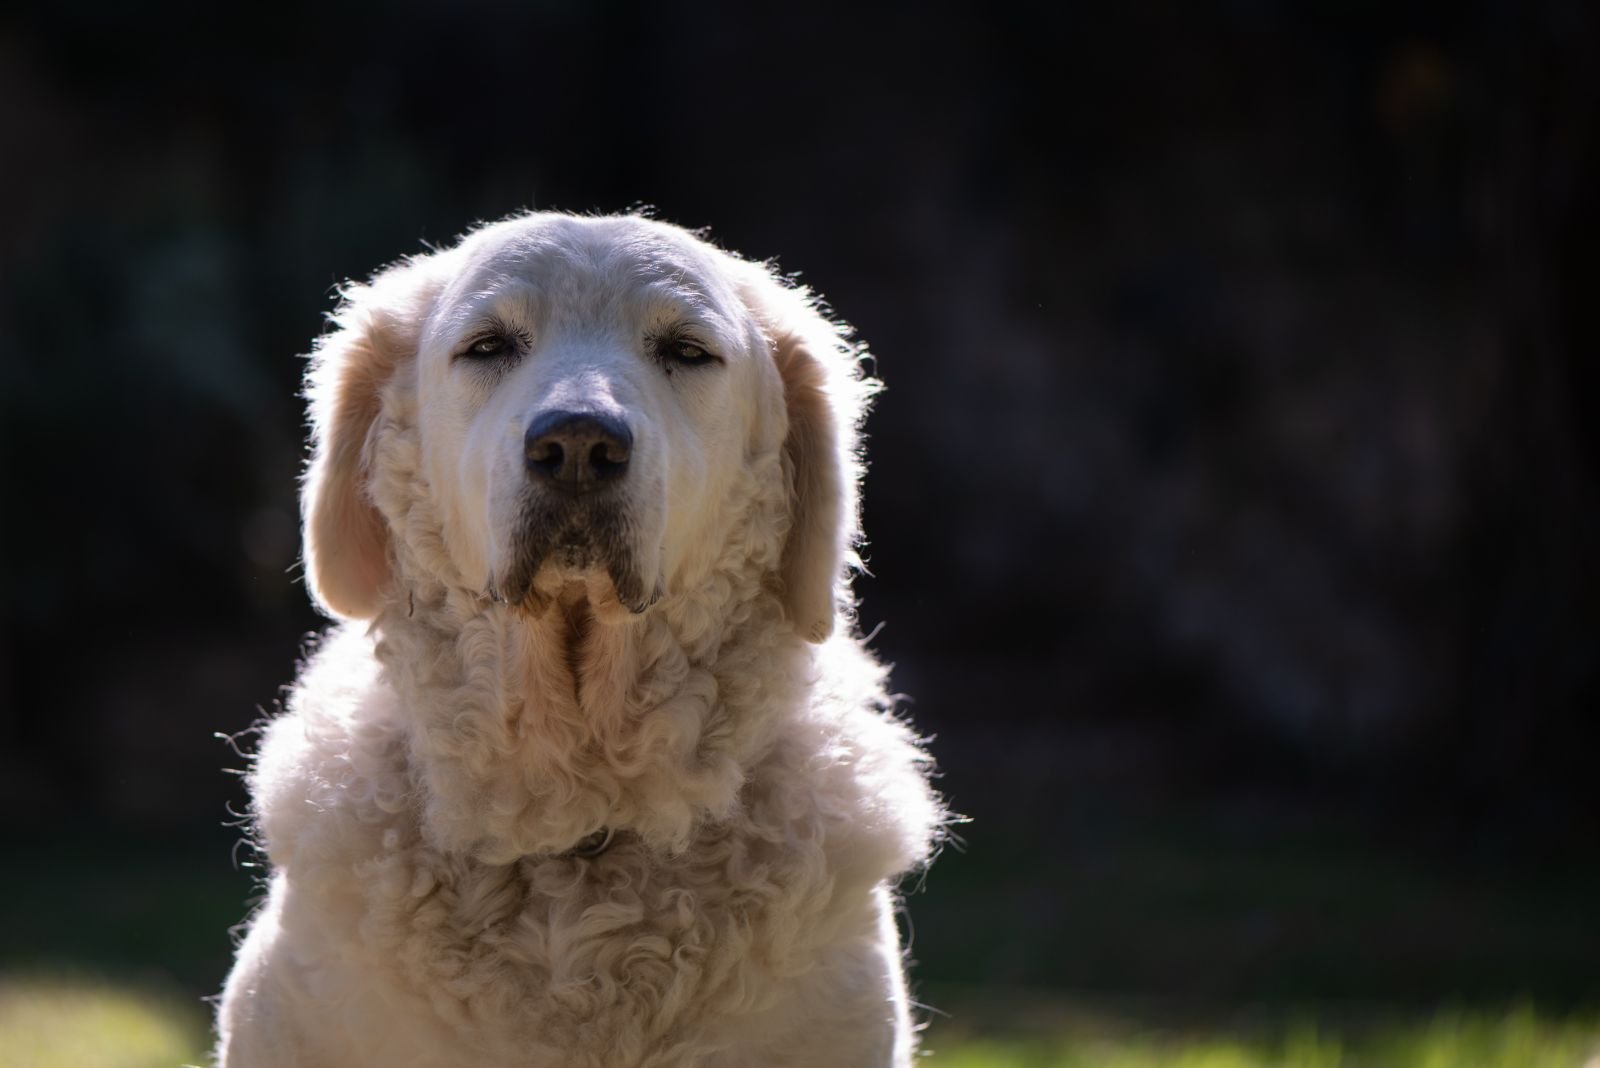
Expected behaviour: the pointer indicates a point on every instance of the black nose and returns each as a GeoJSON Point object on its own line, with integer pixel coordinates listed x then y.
{"type": "Point", "coordinates": [577, 451]}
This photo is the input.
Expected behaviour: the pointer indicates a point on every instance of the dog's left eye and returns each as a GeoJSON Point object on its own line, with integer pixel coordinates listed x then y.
{"type": "Point", "coordinates": [683, 352]}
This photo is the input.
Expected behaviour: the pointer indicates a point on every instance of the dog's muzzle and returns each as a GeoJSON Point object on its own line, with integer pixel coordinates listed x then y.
{"type": "Point", "coordinates": [574, 513]}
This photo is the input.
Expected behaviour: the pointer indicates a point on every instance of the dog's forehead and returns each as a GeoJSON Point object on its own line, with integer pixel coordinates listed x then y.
{"type": "Point", "coordinates": [571, 261]}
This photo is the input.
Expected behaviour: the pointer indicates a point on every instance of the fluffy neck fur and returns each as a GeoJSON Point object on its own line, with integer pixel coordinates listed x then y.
{"type": "Point", "coordinates": [527, 733]}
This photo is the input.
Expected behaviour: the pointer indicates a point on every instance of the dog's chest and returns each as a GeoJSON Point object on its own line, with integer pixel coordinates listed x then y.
{"type": "Point", "coordinates": [585, 957]}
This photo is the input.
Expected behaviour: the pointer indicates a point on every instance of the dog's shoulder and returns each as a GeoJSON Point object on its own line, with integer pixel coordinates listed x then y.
{"type": "Point", "coordinates": [330, 772]}
{"type": "Point", "coordinates": [863, 768]}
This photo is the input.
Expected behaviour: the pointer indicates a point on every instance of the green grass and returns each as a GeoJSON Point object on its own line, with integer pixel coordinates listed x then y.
{"type": "Point", "coordinates": [82, 1022]}
{"type": "Point", "coordinates": [1519, 1037]}
{"type": "Point", "coordinates": [86, 1022]}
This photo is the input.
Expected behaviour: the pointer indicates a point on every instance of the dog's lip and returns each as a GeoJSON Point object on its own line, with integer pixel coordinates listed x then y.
{"type": "Point", "coordinates": [556, 581]}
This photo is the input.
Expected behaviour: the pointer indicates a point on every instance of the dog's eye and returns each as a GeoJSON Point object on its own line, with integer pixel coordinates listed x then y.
{"type": "Point", "coordinates": [488, 347]}
{"type": "Point", "coordinates": [678, 351]}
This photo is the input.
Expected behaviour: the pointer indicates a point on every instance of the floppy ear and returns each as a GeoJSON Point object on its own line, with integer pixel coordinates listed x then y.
{"type": "Point", "coordinates": [825, 396]}
{"type": "Point", "coordinates": [346, 542]}
{"type": "Point", "coordinates": [813, 555]}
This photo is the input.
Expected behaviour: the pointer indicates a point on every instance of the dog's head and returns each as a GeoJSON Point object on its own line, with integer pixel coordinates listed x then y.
{"type": "Point", "coordinates": [561, 403]}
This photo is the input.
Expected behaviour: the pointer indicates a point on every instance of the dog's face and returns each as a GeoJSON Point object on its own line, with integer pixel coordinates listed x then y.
{"type": "Point", "coordinates": [585, 394]}
{"type": "Point", "coordinates": [587, 390]}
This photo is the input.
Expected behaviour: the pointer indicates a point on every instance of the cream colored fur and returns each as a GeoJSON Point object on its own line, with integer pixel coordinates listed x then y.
{"type": "Point", "coordinates": [447, 748]}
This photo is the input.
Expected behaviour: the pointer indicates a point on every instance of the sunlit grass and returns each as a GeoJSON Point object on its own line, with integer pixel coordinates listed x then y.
{"type": "Point", "coordinates": [77, 1022]}
{"type": "Point", "coordinates": [1519, 1038]}
{"type": "Point", "coordinates": [56, 1021]}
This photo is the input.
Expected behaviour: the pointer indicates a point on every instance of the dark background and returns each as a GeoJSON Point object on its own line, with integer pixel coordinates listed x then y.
{"type": "Point", "coordinates": [1232, 501]}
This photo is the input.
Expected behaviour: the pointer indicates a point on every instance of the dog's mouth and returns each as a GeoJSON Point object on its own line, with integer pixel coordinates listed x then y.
{"type": "Point", "coordinates": [564, 543]}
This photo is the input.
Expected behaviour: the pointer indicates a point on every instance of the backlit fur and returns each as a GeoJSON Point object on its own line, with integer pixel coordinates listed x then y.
{"type": "Point", "coordinates": [692, 684]}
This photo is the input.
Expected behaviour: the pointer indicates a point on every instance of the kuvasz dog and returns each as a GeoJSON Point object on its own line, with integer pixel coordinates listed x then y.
{"type": "Point", "coordinates": [595, 772]}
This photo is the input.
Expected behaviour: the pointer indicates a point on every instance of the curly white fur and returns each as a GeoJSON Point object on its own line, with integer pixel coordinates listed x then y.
{"type": "Point", "coordinates": [421, 797]}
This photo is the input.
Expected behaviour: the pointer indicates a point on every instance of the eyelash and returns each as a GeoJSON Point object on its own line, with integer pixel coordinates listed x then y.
{"type": "Point", "coordinates": [506, 344]}
{"type": "Point", "coordinates": [670, 350]}
{"type": "Point", "coordinates": [675, 350]}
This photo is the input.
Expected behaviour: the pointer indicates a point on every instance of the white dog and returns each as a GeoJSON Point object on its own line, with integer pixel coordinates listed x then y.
{"type": "Point", "coordinates": [596, 774]}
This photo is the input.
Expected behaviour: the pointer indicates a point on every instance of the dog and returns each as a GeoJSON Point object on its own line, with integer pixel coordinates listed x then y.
{"type": "Point", "coordinates": [593, 771]}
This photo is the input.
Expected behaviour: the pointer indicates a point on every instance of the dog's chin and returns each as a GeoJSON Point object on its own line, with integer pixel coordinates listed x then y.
{"type": "Point", "coordinates": [576, 573]}
{"type": "Point", "coordinates": [570, 584]}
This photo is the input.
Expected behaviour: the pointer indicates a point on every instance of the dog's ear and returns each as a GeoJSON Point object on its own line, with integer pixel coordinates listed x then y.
{"type": "Point", "coordinates": [825, 397]}
{"type": "Point", "coordinates": [346, 542]}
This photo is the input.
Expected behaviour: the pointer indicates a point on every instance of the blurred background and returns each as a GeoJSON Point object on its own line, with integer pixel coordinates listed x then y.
{"type": "Point", "coordinates": [1232, 507]}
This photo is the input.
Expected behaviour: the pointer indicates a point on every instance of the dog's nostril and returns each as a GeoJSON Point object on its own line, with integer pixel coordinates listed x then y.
{"type": "Point", "coordinates": [607, 455]}
{"type": "Point", "coordinates": [546, 454]}
{"type": "Point", "coordinates": [577, 450]}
